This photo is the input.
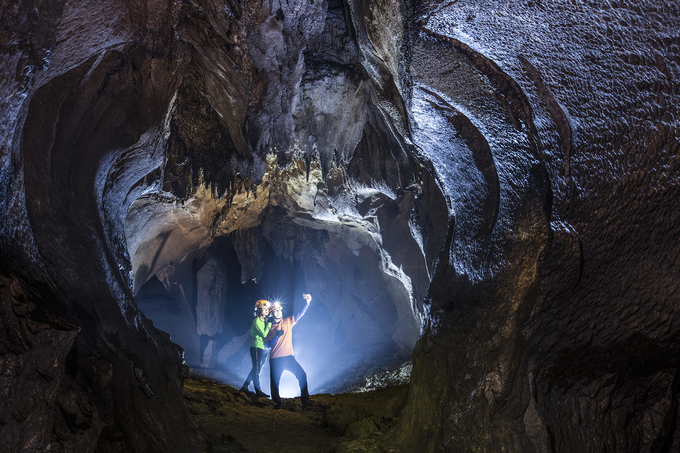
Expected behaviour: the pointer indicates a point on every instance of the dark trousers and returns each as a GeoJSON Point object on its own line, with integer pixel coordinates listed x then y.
{"type": "Point", "coordinates": [257, 356]}
{"type": "Point", "coordinates": [287, 363]}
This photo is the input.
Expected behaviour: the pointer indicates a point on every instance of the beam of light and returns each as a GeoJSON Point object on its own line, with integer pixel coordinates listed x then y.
{"type": "Point", "coordinates": [289, 387]}
{"type": "Point", "coordinates": [332, 362]}
{"type": "Point", "coordinates": [318, 363]}
{"type": "Point", "coordinates": [285, 306]}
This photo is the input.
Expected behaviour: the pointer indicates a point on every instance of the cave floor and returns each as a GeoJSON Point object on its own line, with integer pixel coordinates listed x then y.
{"type": "Point", "coordinates": [229, 421]}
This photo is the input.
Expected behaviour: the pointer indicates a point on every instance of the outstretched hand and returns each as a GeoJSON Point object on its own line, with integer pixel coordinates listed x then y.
{"type": "Point", "coordinates": [307, 297]}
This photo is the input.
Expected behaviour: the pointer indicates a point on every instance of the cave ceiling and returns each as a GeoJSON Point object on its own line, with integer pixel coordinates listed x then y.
{"type": "Point", "coordinates": [489, 188]}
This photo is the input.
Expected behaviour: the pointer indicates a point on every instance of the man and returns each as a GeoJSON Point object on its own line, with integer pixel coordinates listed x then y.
{"type": "Point", "coordinates": [281, 356]}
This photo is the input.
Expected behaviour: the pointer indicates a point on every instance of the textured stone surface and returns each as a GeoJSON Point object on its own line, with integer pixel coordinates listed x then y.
{"type": "Point", "coordinates": [212, 287]}
{"type": "Point", "coordinates": [502, 175]}
{"type": "Point", "coordinates": [599, 320]}
{"type": "Point", "coordinates": [33, 351]}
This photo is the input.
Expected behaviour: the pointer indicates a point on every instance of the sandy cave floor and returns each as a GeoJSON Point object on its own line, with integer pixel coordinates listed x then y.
{"type": "Point", "coordinates": [230, 421]}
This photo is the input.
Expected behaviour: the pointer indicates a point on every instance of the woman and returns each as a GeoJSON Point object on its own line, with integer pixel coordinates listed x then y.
{"type": "Point", "coordinates": [258, 354]}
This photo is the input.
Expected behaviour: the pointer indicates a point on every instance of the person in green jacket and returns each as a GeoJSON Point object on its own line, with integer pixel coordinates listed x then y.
{"type": "Point", "coordinates": [258, 354]}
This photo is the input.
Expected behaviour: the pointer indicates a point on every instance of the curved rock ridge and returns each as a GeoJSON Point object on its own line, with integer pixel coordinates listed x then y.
{"type": "Point", "coordinates": [561, 359]}
{"type": "Point", "coordinates": [490, 186]}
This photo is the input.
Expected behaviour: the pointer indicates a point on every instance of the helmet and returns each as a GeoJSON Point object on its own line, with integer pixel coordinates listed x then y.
{"type": "Point", "coordinates": [262, 304]}
{"type": "Point", "coordinates": [276, 305]}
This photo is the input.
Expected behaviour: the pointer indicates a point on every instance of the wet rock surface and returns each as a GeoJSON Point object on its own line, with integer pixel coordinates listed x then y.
{"type": "Point", "coordinates": [490, 186]}
{"type": "Point", "coordinates": [557, 364]}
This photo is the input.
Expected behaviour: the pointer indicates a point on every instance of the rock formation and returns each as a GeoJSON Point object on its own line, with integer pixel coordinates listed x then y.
{"type": "Point", "coordinates": [490, 186]}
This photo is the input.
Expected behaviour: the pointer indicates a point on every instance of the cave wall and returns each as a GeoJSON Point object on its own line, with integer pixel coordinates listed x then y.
{"type": "Point", "coordinates": [573, 346]}
{"type": "Point", "coordinates": [75, 94]}
{"type": "Point", "coordinates": [531, 147]}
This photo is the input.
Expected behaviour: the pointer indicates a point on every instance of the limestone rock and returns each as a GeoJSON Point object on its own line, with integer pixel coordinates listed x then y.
{"type": "Point", "coordinates": [212, 286]}
{"type": "Point", "coordinates": [33, 351]}
{"type": "Point", "coordinates": [490, 186]}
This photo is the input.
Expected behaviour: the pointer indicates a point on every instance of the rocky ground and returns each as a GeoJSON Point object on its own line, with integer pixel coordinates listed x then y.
{"type": "Point", "coordinates": [230, 421]}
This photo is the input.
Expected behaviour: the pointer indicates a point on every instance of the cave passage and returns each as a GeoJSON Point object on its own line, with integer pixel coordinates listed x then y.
{"type": "Point", "coordinates": [364, 250]}
{"type": "Point", "coordinates": [207, 308]}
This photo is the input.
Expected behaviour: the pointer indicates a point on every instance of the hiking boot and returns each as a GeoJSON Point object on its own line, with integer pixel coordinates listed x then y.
{"type": "Point", "coordinates": [260, 394]}
{"type": "Point", "coordinates": [247, 391]}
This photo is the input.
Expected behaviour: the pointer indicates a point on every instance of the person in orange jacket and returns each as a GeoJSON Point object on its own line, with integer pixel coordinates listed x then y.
{"type": "Point", "coordinates": [281, 357]}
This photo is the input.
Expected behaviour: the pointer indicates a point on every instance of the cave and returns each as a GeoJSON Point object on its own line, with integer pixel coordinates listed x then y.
{"type": "Point", "coordinates": [483, 193]}
{"type": "Point", "coordinates": [368, 309]}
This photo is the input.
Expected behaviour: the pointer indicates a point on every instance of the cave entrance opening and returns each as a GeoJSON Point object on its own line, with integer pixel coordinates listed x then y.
{"type": "Point", "coordinates": [352, 326]}
{"type": "Point", "coordinates": [365, 251]}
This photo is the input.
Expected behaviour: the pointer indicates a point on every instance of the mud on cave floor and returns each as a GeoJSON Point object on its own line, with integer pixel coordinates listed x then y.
{"type": "Point", "coordinates": [230, 421]}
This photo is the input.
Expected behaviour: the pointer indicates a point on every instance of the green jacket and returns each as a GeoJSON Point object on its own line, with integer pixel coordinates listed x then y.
{"type": "Point", "coordinates": [259, 330]}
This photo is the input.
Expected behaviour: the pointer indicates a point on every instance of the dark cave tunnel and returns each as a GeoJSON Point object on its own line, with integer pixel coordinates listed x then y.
{"type": "Point", "coordinates": [452, 182]}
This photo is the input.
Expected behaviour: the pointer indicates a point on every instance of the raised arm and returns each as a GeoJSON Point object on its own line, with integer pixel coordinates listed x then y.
{"type": "Point", "coordinates": [308, 299]}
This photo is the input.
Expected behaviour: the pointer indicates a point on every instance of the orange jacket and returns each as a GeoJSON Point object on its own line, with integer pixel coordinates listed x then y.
{"type": "Point", "coordinates": [283, 343]}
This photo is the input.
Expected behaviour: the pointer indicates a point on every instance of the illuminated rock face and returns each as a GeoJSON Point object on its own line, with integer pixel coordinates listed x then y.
{"type": "Point", "coordinates": [501, 176]}
{"type": "Point", "coordinates": [364, 251]}
{"type": "Point", "coordinates": [571, 344]}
